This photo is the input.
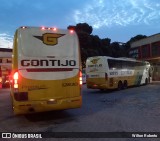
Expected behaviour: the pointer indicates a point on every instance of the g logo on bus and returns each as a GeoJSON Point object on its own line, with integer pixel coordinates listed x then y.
{"type": "Point", "coordinates": [94, 61]}
{"type": "Point", "coordinates": [49, 38]}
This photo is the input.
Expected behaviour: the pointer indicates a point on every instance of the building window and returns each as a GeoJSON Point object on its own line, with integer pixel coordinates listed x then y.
{"type": "Point", "coordinates": [145, 51]}
{"type": "Point", "coordinates": [134, 53]}
{"type": "Point", "coordinates": [9, 60]}
{"type": "Point", "coordinates": [1, 60]}
{"type": "Point", "coordinates": [155, 49]}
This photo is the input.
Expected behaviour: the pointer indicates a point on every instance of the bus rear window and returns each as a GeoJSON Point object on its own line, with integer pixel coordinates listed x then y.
{"type": "Point", "coordinates": [48, 42]}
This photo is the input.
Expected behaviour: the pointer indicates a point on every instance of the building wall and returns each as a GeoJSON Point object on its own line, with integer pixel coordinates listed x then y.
{"type": "Point", "coordinates": [148, 40]}
{"type": "Point", "coordinates": [148, 49]}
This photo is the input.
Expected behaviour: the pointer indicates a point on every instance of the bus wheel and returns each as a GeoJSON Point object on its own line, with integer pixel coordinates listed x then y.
{"type": "Point", "coordinates": [125, 84]}
{"type": "Point", "coordinates": [120, 85]}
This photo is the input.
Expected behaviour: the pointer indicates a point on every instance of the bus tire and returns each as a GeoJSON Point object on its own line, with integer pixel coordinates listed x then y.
{"type": "Point", "coordinates": [120, 85]}
{"type": "Point", "coordinates": [125, 84]}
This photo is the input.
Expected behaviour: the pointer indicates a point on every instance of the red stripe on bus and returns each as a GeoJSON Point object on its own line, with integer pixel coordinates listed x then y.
{"type": "Point", "coordinates": [48, 69]}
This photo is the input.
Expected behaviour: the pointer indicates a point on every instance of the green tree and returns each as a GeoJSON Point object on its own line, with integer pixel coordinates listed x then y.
{"type": "Point", "coordinates": [106, 47]}
{"type": "Point", "coordinates": [85, 39]}
{"type": "Point", "coordinates": [115, 49]}
{"type": "Point", "coordinates": [106, 42]}
{"type": "Point", "coordinates": [137, 37]}
{"type": "Point", "coordinates": [84, 27]}
{"type": "Point", "coordinates": [92, 45]}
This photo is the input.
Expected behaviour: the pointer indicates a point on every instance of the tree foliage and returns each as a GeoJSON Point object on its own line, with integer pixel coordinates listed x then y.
{"type": "Point", "coordinates": [92, 45]}
{"type": "Point", "coordinates": [84, 27]}
{"type": "Point", "coordinates": [137, 37]}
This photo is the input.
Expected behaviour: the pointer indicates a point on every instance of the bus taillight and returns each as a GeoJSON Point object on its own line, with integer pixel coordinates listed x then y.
{"type": "Point", "coordinates": [80, 78]}
{"type": "Point", "coordinates": [43, 28]}
{"type": "Point", "coordinates": [15, 80]}
{"type": "Point", "coordinates": [71, 31]}
{"type": "Point", "coordinates": [54, 29]}
{"type": "Point", "coordinates": [23, 27]}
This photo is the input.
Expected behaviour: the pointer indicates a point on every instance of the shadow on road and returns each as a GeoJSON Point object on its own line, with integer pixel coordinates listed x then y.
{"type": "Point", "coordinates": [110, 91]}
{"type": "Point", "coordinates": [47, 116]}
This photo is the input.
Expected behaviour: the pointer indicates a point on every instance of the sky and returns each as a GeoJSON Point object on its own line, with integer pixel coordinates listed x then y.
{"type": "Point", "coordinates": [119, 20]}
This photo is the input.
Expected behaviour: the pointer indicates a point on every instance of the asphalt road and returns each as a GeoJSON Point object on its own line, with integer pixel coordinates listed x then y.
{"type": "Point", "coordinates": [135, 109]}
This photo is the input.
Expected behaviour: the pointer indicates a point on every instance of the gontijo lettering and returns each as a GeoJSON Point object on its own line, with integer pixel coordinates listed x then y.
{"type": "Point", "coordinates": [54, 62]}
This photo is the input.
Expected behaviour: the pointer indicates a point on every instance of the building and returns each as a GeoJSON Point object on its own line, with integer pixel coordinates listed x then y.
{"type": "Point", "coordinates": [5, 65]}
{"type": "Point", "coordinates": [148, 49]}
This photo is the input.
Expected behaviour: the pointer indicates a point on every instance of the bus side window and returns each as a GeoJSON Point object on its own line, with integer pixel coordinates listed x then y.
{"type": "Point", "coordinates": [124, 64]}
{"type": "Point", "coordinates": [133, 64]}
{"type": "Point", "coordinates": [129, 64]}
{"type": "Point", "coordinates": [110, 64]}
{"type": "Point", "coordinates": [118, 64]}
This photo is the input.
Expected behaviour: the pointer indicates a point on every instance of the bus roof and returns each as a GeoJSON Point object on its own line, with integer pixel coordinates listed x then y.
{"type": "Point", "coordinates": [119, 58]}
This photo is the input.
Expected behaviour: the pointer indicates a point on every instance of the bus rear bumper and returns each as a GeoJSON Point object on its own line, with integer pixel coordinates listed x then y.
{"type": "Point", "coordinates": [47, 105]}
{"type": "Point", "coordinates": [97, 86]}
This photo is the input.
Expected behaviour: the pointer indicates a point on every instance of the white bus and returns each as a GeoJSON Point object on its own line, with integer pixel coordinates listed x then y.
{"type": "Point", "coordinates": [110, 73]}
{"type": "Point", "coordinates": [46, 70]}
